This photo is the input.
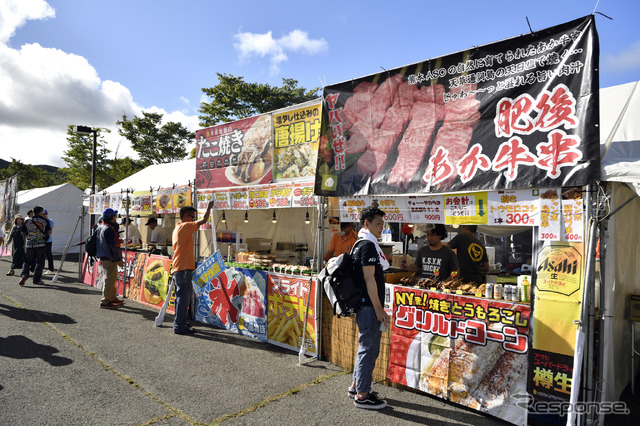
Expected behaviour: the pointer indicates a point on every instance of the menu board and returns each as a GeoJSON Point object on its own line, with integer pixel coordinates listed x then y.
{"type": "Point", "coordinates": [303, 195]}
{"type": "Point", "coordinates": [164, 201]}
{"type": "Point", "coordinates": [141, 203]}
{"type": "Point", "coordinates": [239, 198]}
{"type": "Point", "coordinates": [259, 197]}
{"type": "Point", "coordinates": [280, 195]}
{"type": "Point", "coordinates": [426, 209]}
{"type": "Point", "coordinates": [514, 207]}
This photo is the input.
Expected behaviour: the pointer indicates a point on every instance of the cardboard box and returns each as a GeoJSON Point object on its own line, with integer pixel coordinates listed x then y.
{"type": "Point", "coordinates": [397, 259]}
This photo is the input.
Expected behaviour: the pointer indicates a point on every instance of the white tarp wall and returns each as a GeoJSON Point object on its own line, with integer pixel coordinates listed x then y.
{"type": "Point", "coordinates": [620, 152]}
{"type": "Point", "coordinates": [63, 203]}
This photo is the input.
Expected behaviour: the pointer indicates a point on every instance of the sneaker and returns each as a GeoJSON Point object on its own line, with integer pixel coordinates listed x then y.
{"type": "Point", "coordinates": [39, 282]}
{"type": "Point", "coordinates": [370, 402]}
{"type": "Point", "coordinates": [117, 301]}
{"type": "Point", "coordinates": [23, 280]}
{"type": "Point", "coordinates": [187, 330]}
{"type": "Point", "coordinates": [47, 272]}
{"type": "Point", "coordinates": [109, 305]}
{"type": "Point", "coordinates": [352, 393]}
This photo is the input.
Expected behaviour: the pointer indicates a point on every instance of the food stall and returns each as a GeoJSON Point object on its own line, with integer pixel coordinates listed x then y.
{"type": "Point", "coordinates": [500, 135]}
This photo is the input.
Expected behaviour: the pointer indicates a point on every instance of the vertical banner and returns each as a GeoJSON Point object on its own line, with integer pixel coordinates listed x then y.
{"type": "Point", "coordinates": [164, 201]}
{"type": "Point", "coordinates": [286, 297]}
{"type": "Point", "coordinates": [497, 116]}
{"type": "Point", "coordinates": [573, 222]}
{"type": "Point", "coordinates": [8, 190]}
{"type": "Point", "coordinates": [296, 134]}
{"type": "Point", "coordinates": [137, 271]}
{"type": "Point", "coordinates": [234, 154]}
{"type": "Point", "coordinates": [203, 196]}
{"type": "Point", "coordinates": [468, 350]}
{"type": "Point", "coordinates": [231, 298]}
{"type": "Point", "coordinates": [558, 293]}
{"type": "Point", "coordinates": [130, 263]}
{"type": "Point", "coordinates": [141, 203]}
{"type": "Point", "coordinates": [155, 283]}
{"type": "Point", "coordinates": [550, 215]}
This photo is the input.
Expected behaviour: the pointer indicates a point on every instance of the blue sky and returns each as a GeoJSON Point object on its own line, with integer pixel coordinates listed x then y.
{"type": "Point", "coordinates": [89, 61]}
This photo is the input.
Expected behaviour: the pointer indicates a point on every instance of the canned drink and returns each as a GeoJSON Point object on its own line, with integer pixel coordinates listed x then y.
{"type": "Point", "coordinates": [383, 326]}
{"type": "Point", "coordinates": [515, 294]}
{"type": "Point", "coordinates": [506, 292]}
{"type": "Point", "coordinates": [488, 290]}
{"type": "Point", "coordinates": [497, 291]}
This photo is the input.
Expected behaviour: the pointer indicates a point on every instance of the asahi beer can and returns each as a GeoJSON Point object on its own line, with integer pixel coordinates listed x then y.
{"type": "Point", "coordinates": [506, 292]}
{"type": "Point", "coordinates": [497, 291]}
{"type": "Point", "coordinates": [515, 293]}
{"type": "Point", "coordinates": [488, 290]}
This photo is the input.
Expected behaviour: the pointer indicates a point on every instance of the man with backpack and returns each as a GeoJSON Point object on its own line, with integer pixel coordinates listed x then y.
{"type": "Point", "coordinates": [37, 231]}
{"type": "Point", "coordinates": [369, 263]}
{"type": "Point", "coordinates": [110, 256]}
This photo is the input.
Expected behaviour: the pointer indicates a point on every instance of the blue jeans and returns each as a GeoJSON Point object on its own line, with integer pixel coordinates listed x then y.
{"type": "Point", "coordinates": [182, 280]}
{"type": "Point", "coordinates": [368, 348]}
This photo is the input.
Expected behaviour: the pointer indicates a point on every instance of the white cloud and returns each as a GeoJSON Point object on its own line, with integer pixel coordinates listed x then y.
{"type": "Point", "coordinates": [43, 90]}
{"type": "Point", "coordinates": [264, 45]}
{"type": "Point", "coordinates": [627, 60]}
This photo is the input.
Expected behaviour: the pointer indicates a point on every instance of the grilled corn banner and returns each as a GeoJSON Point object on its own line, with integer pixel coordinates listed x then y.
{"type": "Point", "coordinates": [558, 292]}
{"type": "Point", "coordinates": [296, 133]}
{"type": "Point", "coordinates": [287, 297]}
{"type": "Point", "coordinates": [231, 298]}
{"type": "Point", "coordinates": [156, 280]}
{"type": "Point", "coordinates": [498, 116]}
{"type": "Point", "coordinates": [469, 350]}
{"type": "Point", "coordinates": [234, 154]}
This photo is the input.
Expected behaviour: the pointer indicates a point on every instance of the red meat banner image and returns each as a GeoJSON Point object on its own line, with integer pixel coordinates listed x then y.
{"type": "Point", "coordinates": [499, 116]}
{"type": "Point", "coordinates": [468, 350]}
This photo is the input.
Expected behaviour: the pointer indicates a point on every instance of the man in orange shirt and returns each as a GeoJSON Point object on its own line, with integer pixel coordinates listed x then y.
{"type": "Point", "coordinates": [342, 241]}
{"type": "Point", "coordinates": [184, 263]}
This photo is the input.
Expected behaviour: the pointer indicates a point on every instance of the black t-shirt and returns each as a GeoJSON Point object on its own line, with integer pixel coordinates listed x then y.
{"type": "Point", "coordinates": [443, 259]}
{"type": "Point", "coordinates": [365, 254]}
{"type": "Point", "coordinates": [471, 256]}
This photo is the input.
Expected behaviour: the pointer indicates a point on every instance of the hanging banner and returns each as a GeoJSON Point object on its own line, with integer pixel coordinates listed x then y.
{"type": "Point", "coordinates": [573, 223]}
{"type": "Point", "coordinates": [181, 197]}
{"type": "Point", "coordinates": [8, 191]}
{"type": "Point", "coordinates": [550, 215]}
{"type": "Point", "coordinates": [156, 280]}
{"type": "Point", "coordinates": [141, 203]}
{"type": "Point", "coordinates": [557, 305]}
{"type": "Point", "coordinates": [287, 295]}
{"type": "Point", "coordinates": [115, 201]}
{"type": "Point", "coordinates": [239, 198]}
{"type": "Point", "coordinates": [280, 195]}
{"type": "Point", "coordinates": [467, 209]}
{"type": "Point", "coordinates": [498, 116]}
{"type": "Point", "coordinates": [396, 209]}
{"type": "Point", "coordinates": [426, 209]}
{"type": "Point", "coordinates": [303, 195]}
{"type": "Point", "coordinates": [164, 201]}
{"type": "Point", "coordinates": [259, 197]}
{"type": "Point", "coordinates": [468, 350]}
{"type": "Point", "coordinates": [234, 154]}
{"type": "Point", "coordinates": [97, 204]}
{"type": "Point", "coordinates": [296, 132]}
{"type": "Point", "coordinates": [515, 207]}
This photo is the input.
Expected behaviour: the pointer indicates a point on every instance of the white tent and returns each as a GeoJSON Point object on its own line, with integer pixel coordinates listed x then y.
{"type": "Point", "coordinates": [63, 203]}
{"type": "Point", "coordinates": [620, 235]}
{"type": "Point", "coordinates": [157, 176]}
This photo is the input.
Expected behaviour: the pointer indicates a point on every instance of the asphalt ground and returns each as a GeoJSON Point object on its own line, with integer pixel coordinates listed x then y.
{"type": "Point", "coordinates": [64, 361]}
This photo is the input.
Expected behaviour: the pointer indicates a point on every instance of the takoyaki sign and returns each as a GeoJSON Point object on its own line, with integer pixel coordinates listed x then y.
{"type": "Point", "coordinates": [234, 154]}
{"type": "Point", "coordinates": [498, 116]}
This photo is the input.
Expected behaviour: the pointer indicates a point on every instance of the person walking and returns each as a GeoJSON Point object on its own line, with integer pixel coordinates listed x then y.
{"type": "Point", "coordinates": [369, 264]}
{"type": "Point", "coordinates": [110, 256]}
{"type": "Point", "coordinates": [184, 264]}
{"type": "Point", "coordinates": [37, 232]}
{"type": "Point", "coordinates": [17, 239]}
{"type": "Point", "coordinates": [48, 245]}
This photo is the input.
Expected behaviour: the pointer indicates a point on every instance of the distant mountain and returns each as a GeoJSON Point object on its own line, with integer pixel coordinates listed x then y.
{"type": "Point", "coordinates": [51, 169]}
{"type": "Point", "coordinates": [4, 164]}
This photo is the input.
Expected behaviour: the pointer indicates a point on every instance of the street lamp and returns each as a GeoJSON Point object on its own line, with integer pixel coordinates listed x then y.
{"type": "Point", "coordinates": [86, 131]}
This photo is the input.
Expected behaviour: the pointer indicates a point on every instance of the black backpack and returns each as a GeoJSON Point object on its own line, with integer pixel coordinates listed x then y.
{"type": "Point", "coordinates": [91, 245]}
{"type": "Point", "coordinates": [338, 280]}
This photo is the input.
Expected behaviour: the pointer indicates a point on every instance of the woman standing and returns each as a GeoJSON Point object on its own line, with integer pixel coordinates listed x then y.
{"type": "Point", "coordinates": [15, 236]}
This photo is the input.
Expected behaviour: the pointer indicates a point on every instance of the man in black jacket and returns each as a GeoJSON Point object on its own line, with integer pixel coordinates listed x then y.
{"type": "Point", "coordinates": [110, 256]}
{"type": "Point", "coordinates": [37, 231]}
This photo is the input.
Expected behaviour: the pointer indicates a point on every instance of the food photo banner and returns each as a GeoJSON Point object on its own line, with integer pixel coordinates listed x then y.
{"type": "Point", "coordinates": [296, 134]}
{"type": "Point", "coordinates": [498, 116]}
{"type": "Point", "coordinates": [467, 350]}
{"type": "Point", "coordinates": [234, 154]}
{"type": "Point", "coordinates": [280, 195]}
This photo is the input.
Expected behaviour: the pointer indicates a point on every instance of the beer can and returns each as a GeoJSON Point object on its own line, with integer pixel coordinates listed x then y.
{"type": "Point", "coordinates": [488, 290]}
{"type": "Point", "coordinates": [506, 292]}
{"type": "Point", "coordinates": [515, 293]}
{"type": "Point", "coordinates": [497, 291]}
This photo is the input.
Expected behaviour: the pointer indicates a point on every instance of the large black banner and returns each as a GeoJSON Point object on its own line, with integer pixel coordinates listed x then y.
{"type": "Point", "coordinates": [518, 113]}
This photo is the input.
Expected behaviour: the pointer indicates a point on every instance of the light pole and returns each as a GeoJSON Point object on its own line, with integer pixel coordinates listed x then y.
{"type": "Point", "coordinates": [85, 130]}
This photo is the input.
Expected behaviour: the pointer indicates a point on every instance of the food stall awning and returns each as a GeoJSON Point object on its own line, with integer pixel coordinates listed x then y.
{"type": "Point", "coordinates": [158, 176]}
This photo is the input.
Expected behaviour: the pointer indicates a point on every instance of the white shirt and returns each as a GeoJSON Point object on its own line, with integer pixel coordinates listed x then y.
{"type": "Point", "coordinates": [134, 233]}
{"type": "Point", "coordinates": [159, 235]}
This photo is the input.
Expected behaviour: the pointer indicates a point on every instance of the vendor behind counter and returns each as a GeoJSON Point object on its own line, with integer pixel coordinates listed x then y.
{"type": "Point", "coordinates": [342, 241]}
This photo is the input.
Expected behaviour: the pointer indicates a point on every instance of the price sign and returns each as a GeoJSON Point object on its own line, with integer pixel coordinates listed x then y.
{"type": "Point", "coordinates": [514, 207]}
{"type": "Point", "coordinates": [141, 203]}
{"type": "Point", "coordinates": [303, 195]}
{"type": "Point", "coordinates": [550, 215]}
{"type": "Point", "coordinates": [259, 197]}
{"type": "Point", "coordinates": [221, 200]}
{"type": "Point", "coordinates": [239, 198]}
{"type": "Point", "coordinates": [426, 209]}
{"type": "Point", "coordinates": [280, 195]}
{"type": "Point", "coordinates": [350, 208]}
{"type": "Point", "coordinates": [573, 222]}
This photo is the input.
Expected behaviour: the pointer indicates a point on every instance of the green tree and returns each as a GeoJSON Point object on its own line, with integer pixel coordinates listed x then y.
{"type": "Point", "coordinates": [33, 176]}
{"type": "Point", "coordinates": [153, 141]}
{"type": "Point", "coordinates": [78, 159]}
{"type": "Point", "coordinates": [234, 99]}
{"type": "Point", "coordinates": [122, 168]}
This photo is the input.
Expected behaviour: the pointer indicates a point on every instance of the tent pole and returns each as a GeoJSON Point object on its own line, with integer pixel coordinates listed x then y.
{"type": "Point", "coordinates": [590, 302]}
{"type": "Point", "coordinates": [605, 317]}
{"type": "Point", "coordinates": [319, 266]}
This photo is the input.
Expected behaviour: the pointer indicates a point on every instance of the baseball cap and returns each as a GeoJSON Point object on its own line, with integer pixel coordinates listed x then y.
{"type": "Point", "coordinates": [45, 211]}
{"type": "Point", "coordinates": [151, 220]}
{"type": "Point", "coordinates": [109, 213]}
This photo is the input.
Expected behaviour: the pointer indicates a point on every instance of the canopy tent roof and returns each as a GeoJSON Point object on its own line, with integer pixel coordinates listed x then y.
{"type": "Point", "coordinates": [158, 176]}
{"type": "Point", "coordinates": [620, 134]}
